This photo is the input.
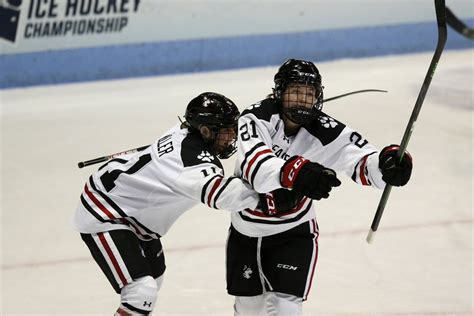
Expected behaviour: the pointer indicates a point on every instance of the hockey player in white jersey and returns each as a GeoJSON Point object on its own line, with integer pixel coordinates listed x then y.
{"type": "Point", "coordinates": [286, 141]}
{"type": "Point", "coordinates": [131, 201]}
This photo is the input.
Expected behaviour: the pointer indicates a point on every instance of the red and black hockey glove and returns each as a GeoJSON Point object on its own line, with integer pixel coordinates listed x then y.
{"type": "Point", "coordinates": [278, 201]}
{"type": "Point", "coordinates": [394, 171]}
{"type": "Point", "coordinates": [308, 178]}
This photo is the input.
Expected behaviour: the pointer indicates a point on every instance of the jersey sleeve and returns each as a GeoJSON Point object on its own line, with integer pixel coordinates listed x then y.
{"type": "Point", "coordinates": [356, 157]}
{"type": "Point", "coordinates": [256, 162]}
{"type": "Point", "coordinates": [367, 172]}
{"type": "Point", "coordinates": [205, 183]}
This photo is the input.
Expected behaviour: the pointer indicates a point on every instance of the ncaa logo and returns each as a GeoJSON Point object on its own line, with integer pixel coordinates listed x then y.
{"type": "Point", "coordinates": [9, 19]}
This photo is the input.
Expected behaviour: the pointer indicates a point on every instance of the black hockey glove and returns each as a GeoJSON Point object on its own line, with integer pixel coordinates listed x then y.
{"type": "Point", "coordinates": [394, 172]}
{"type": "Point", "coordinates": [308, 178]}
{"type": "Point", "coordinates": [278, 201]}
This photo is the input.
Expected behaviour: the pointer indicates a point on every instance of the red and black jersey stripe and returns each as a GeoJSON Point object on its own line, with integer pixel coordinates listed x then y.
{"type": "Point", "coordinates": [221, 189]}
{"type": "Point", "coordinates": [259, 151]}
{"type": "Point", "coordinates": [108, 211]}
{"type": "Point", "coordinates": [204, 192]}
{"type": "Point", "coordinates": [213, 189]}
{"type": "Point", "coordinates": [256, 216]}
{"type": "Point", "coordinates": [360, 174]}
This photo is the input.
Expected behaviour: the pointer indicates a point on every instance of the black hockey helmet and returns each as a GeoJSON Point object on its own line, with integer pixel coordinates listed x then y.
{"type": "Point", "coordinates": [304, 72]}
{"type": "Point", "coordinates": [214, 111]}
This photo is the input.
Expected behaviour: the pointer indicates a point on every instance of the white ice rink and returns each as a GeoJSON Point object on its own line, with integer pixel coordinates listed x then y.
{"type": "Point", "coordinates": [421, 262]}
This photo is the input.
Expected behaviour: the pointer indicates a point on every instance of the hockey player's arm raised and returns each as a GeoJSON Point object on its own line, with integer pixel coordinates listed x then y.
{"type": "Point", "coordinates": [351, 153]}
{"type": "Point", "coordinates": [379, 168]}
{"type": "Point", "coordinates": [346, 151]}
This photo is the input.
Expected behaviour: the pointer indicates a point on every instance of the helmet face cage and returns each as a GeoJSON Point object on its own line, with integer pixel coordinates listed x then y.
{"type": "Point", "coordinates": [299, 72]}
{"type": "Point", "coordinates": [220, 115]}
{"type": "Point", "coordinates": [299, 103]}
{"type": "Point", "coordinates": [222, 137]}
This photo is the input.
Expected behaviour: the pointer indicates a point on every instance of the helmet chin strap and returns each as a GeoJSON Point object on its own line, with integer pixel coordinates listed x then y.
{"type": "Point", "coordinates": [224, 151]}
{"type": "Point", "coordinates": [299, 117]}
{"type": "Point", "coordinates": [289, 118]}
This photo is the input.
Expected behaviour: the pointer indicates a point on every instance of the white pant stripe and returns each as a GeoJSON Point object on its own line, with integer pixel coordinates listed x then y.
{"type": "Point", "coordinates": [116, 255]}
{"type": "Point", "coordinates": [314, 258]}
{"type": "Point", "coordinates": [263, 278]}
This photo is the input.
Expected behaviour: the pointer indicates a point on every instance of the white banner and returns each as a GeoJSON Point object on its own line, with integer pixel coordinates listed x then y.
{"type": "Point", "coordinates": [40, 25]}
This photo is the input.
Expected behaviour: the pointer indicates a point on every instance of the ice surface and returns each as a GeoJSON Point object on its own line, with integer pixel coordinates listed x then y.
{"type": "Point", "coordinates": [421, 260]}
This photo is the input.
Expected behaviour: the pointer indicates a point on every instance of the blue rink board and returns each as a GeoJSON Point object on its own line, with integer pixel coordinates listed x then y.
{"type": "Point", "coordinates": [171, 57]}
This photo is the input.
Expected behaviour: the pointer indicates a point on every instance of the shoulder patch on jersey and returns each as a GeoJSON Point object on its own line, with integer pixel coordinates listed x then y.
{"type": "Point", "coordinates": [325, 128]}
{"type": "Point", "coordinates": [194, 152]}
{"type": "Point", "coordinates": [205, 156]}
{"type": "Point", "coordinates": [263, 110]}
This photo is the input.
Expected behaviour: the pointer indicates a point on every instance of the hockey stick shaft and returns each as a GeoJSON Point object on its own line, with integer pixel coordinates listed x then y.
{"type": "Point", "coordinates": [442, 36]}
{"type": "Point", "coordinates": [353, 92]}
{"type": "Point", "coordinates": [458, 25]}
{"type": "Point", "coordinates": [86, 163]}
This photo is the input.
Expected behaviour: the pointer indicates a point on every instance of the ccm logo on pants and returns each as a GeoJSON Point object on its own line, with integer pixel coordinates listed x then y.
{"type": "Point", "coordinates": [286, 266]}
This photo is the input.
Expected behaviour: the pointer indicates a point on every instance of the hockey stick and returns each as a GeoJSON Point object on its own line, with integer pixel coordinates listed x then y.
{"type": "Point", "coordinates": [442, 36]}
{"type": "Point", "coordinates": [86, 163]}
{"type": "Point", "coordinates": [353, 92]}
{"type": "Point", "coordinates": [458, 25]}
{"type": "Point", "coordinates": [83, 164]}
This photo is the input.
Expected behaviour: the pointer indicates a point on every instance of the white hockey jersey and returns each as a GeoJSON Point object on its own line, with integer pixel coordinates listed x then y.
{"type": "Point", "coordinates": [263, 148]}
{"type": "Point", "coordinates": [147, 191]}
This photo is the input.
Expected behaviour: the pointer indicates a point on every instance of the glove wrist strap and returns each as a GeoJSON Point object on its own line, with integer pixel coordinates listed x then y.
{"type": "Point", "coordinates": [290, 171]}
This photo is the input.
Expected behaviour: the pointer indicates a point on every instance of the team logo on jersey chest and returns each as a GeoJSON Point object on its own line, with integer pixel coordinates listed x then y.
{"type": "Point", "coordinates": [205, 156]}
{"type": "Point", "coordinates": [327, 122]}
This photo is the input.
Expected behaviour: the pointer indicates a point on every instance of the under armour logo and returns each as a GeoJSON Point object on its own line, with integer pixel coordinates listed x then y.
{"type": "Point", "coordinates": [205, 156]}
{"type": "Point", "coordinates": [147, 304]}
